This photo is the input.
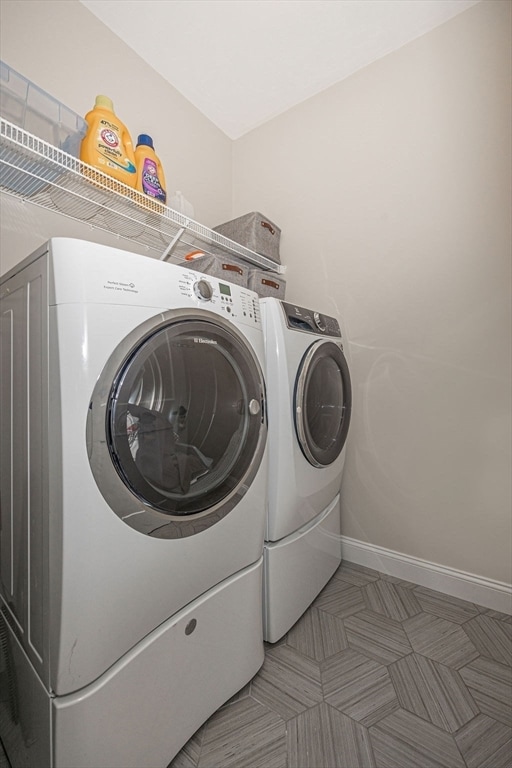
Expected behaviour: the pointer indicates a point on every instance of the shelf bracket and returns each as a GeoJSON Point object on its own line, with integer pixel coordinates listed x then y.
{"type": "Point", "coordinates": [172, 244]}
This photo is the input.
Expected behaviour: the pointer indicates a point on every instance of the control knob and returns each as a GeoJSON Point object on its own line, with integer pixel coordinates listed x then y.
{"type": "Point", "coordinates": [203, 290]}
{"type": "Point", "coordinates": [319, 321]}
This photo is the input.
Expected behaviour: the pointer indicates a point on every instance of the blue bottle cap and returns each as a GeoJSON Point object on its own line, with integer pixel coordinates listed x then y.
{"type": "Point", "coordinates": [145, 139]}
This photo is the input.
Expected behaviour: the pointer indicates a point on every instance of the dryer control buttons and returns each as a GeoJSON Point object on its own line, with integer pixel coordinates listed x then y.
{"type": "Point", "coordinates": [319, 321]}
{"type": "Point", "coordinates": [203, 290]}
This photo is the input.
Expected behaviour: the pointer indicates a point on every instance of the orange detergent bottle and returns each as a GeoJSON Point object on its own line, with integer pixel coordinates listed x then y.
{"type": "Point", "coordinates": [107, 144]}
{"type": "Point", "coordinates": [150, 174]}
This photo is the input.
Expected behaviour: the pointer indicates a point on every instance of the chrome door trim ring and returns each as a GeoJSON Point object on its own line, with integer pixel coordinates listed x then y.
{"type": "Point", "coordinates": [300, 384]}
{"type": "Point", "coordinates": [120, 498]}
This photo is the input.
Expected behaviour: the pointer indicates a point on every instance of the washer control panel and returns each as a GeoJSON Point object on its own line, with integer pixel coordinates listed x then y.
{"type": "Point", "coordinates": [232, 301]}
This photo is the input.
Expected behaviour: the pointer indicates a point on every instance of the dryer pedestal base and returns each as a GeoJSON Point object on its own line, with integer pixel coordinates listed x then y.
{"type": "Point", "coordinates": [141, 711]}
{"type": "Point", "coordinates": [297, 568]}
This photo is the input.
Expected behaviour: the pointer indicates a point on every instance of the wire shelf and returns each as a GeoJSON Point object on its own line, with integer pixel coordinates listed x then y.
{"type": "Point", "coordinates": [36, 171]}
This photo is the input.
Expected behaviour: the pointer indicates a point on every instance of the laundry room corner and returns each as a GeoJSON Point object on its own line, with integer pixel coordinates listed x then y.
{"type": "Point", "coordinates": [393, 191]}
{"type": "Point", "coordinates": [255, 468]}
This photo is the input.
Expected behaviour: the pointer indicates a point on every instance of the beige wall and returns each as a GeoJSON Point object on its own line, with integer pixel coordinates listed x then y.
{"type": "Point", "coordinates": [393, 192]}
{"type": "Point", "coordinates": [64, 49]}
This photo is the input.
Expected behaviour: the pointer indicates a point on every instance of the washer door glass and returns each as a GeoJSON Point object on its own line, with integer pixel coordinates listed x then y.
{"type": "Point", "coordinates": [323, 401]}
{"type": "Point", "coordinates": [184, 424]}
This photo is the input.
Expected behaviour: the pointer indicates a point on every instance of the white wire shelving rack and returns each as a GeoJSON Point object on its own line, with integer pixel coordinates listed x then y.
{"type": "Point", "coordinates": [35, 171]}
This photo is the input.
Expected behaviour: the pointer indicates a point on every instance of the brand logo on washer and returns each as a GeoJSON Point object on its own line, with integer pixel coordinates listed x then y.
{"type": "Point", "coordinates": [199, 340]}
{"type": "Point", "coordinates": [117, 285]}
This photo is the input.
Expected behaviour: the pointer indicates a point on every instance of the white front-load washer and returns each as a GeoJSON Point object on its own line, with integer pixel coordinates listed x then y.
{"type": "Point", "coordinates": [134, 475]}
{"type": "Point", "coordinates": [309, 400]}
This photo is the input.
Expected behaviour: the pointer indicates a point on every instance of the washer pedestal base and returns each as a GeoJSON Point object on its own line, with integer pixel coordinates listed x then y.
{"type": "Point", "coordinates": [297, 568]}
{"type": "Point", "coordinates": [142, 710]}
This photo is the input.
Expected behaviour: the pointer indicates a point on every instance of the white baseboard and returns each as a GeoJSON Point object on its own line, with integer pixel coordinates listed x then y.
{"type": "Point", "coordinates": [467, 586]}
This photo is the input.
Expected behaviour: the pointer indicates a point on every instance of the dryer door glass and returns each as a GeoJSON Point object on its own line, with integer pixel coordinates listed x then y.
{"type": "Point", "coordinates": [323, 401]}
{"type": "Point", "coordinates": [185, 427]}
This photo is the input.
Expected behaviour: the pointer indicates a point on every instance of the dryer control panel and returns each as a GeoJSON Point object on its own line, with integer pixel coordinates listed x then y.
{"type": "Point", "coordinates": [309, 321]}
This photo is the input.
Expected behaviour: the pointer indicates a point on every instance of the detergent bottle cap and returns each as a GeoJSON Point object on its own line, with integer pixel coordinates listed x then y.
{"type": "Point", "coordinates": [104, 102]}
{"type": "Point", "coordinates": [145, 139]}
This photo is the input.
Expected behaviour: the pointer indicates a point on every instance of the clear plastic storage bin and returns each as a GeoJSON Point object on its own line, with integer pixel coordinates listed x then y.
{"type": "Point", "coordinates": [34, 110]}
{"type": "Point", "coordinates": [27, 106]}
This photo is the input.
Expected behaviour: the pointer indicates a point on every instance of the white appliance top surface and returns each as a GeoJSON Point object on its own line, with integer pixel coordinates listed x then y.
{"type": "Point", "coordinates": [84, 272]}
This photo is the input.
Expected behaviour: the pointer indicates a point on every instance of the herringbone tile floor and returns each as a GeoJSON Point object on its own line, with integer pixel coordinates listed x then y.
{"type": "Point", "coordinates": [378, 673]}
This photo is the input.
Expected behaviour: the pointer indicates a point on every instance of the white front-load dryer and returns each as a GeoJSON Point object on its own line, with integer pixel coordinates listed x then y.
{"type": "Point", "coordinates": [133, 503]}
{"type": "Point", "coordinates": [309, 400]}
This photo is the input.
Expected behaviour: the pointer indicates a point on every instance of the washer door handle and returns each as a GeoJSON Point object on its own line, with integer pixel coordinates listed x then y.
{"type": "Point", "coordinates": [254, 407]}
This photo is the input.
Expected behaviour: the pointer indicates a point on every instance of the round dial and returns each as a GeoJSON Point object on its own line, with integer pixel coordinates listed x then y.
{"type": "Point", "coordinates": [203, 290]}
{"type": "Point", "coordinates": [319, 321]}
